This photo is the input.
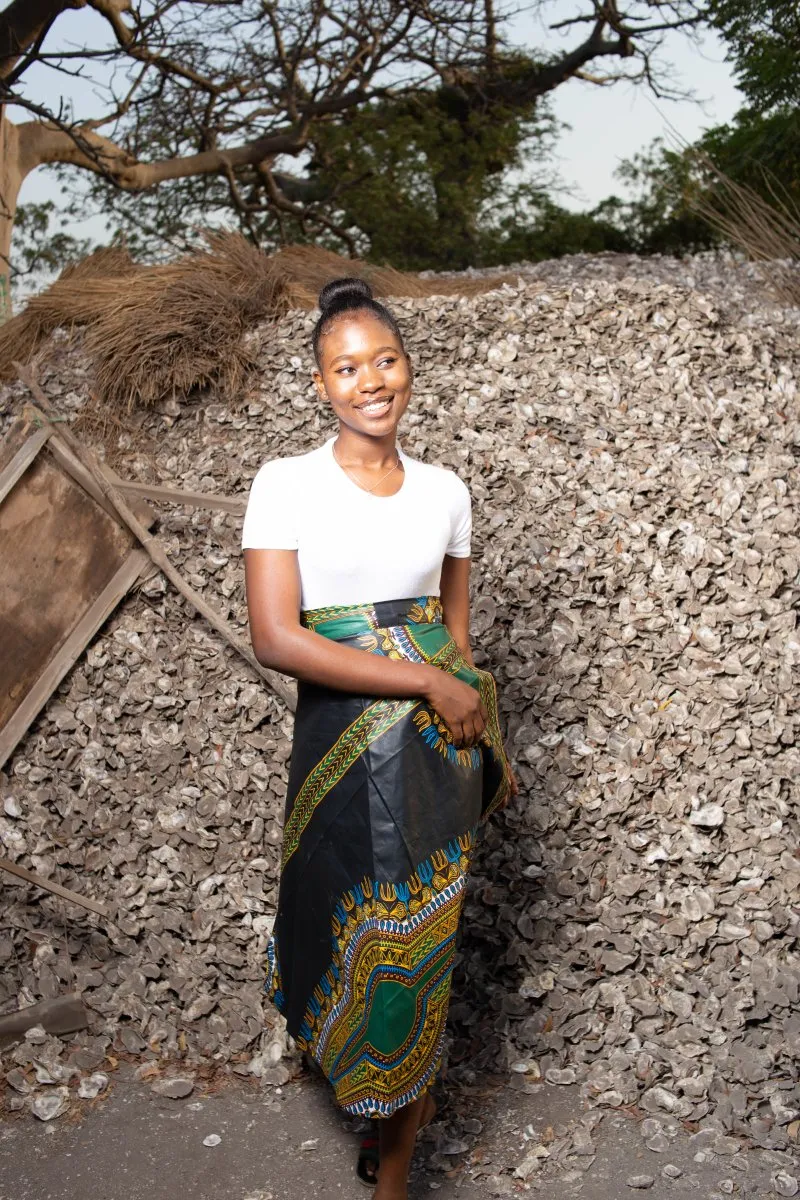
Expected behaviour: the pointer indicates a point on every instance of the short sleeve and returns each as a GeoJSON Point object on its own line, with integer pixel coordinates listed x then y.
{"type": "Point", "coordinates": [269, 519]}
{"type": "Point", "coordinates": [460, 521]}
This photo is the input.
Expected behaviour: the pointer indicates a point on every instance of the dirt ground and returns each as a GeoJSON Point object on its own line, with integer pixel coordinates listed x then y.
{"type": "Point", "coordinates": [293, 1145]}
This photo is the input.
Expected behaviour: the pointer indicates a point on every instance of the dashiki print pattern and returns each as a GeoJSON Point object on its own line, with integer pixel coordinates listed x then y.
{"type": "Point", "coordinates": [381, 815]}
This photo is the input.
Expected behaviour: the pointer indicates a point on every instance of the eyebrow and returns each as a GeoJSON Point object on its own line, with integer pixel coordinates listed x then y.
{"type": "Point", "coordinates": [380, 350]}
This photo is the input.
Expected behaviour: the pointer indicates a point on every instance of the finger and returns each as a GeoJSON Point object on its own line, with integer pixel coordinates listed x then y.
{"type": "Point", "coordinates": [484, 712]}
{"type": "Point", "coordinates": [457, 730]}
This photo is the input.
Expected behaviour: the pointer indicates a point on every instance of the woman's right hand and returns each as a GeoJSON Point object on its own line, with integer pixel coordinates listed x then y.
{"type": "Point", "coordinates": [459, 706]}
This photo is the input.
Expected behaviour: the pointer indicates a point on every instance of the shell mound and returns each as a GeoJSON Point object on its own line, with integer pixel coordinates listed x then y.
{"type": "Point", "coordinates": [631, 445]}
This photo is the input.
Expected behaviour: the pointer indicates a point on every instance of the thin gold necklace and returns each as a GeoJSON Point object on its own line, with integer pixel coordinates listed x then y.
{"type": "Point", "coordinates": [352, 476]}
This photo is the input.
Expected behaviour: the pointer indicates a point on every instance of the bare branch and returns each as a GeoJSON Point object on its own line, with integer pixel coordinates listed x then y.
{"type": "Point", "coordinates": [23, 24]}
{"type": "Point", "coordinates": [212, 100]}
{"type": "Point", "coordinates": [112, 10]}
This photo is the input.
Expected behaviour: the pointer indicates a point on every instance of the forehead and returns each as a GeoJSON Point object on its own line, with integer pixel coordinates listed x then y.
{"type": "Point", "coordinates": [358, 332]}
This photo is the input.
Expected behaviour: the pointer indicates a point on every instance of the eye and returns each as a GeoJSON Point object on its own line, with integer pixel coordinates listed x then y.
{"type": "Point", "coordinates": [387, 362]}
{"type": "Point", "coordinates": [341, 370]}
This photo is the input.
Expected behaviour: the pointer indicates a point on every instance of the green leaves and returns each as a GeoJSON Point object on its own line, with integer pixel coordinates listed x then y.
{"type": "Point", "coordinates": [763, 37]}
{"type": "Point", "coordinates": [40, 245]}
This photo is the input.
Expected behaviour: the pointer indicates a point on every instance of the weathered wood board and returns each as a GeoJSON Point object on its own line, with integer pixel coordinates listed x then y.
{"type": "Point", "coordinates": [65, 563]}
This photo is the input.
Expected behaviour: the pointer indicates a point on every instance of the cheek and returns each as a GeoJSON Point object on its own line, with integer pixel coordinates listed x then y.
{"type": "Point", "coordinates": [400, 377]}
{"type": "Point", "coordinates": [338, 385]}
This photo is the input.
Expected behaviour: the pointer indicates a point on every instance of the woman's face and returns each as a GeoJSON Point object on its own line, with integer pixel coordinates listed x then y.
{"type": "Point", "coordinates": [364, 373]}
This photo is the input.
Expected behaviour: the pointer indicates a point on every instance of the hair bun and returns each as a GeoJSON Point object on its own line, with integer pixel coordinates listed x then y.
{"type": "Point", "coordinates": [347, 292]}
{"type": "Point", "coordinates": [349, 295]}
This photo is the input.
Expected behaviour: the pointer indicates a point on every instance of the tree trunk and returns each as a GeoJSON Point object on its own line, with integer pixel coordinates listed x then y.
{"type": "Point", "coordinates": [11, 176]}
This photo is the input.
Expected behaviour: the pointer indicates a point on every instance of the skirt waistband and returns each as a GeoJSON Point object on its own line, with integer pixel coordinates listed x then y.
{"type": "Point", "coordinates": [344, 620]}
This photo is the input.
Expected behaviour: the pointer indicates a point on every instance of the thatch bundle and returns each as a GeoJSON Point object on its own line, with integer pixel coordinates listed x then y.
{"type": "Point", "coordinates": [74, 299]}
{"type": "Point", "coordinates": [154, 332]}
{"type": "Point", "coordinates": [308, 268]}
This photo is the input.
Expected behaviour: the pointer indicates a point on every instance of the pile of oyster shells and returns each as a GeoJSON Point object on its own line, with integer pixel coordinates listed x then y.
{"type": "Point", "coordinates": [631, 445]}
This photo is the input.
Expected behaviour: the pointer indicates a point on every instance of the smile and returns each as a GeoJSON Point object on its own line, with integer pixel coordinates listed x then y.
{"type": "Point", "coordinates": [373, 407]}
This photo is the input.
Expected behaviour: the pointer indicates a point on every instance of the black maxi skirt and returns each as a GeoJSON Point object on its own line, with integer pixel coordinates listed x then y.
{"type": "Point", "coordinates": [381, 816]}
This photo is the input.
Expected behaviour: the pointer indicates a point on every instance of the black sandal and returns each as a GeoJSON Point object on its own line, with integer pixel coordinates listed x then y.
{"type": "Point", "coordinates": [369, 1156]}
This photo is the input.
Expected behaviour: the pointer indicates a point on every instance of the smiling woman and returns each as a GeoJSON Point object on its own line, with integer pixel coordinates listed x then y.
{"type": "Point", "coordinates": [357, 569]}
{"type": "Point", "coordinates": [371, 375]}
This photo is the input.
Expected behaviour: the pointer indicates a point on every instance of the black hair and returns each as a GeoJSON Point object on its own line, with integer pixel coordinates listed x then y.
{"type": "Point", "coordinates": [349, 295]}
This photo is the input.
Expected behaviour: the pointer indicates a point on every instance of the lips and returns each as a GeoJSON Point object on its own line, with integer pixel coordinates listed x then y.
{"type": "Point", "coordinates": [376, 408]}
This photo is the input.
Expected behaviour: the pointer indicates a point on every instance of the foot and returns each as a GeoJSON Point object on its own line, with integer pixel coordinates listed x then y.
{"type": "Point", "coordinates": [368, 1156]}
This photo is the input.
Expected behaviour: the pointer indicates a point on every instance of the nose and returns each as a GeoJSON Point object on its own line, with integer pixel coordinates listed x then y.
{"type": "Point", "coordinates": [370, 379]}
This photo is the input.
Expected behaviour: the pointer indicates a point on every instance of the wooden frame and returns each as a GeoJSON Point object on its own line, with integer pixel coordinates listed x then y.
{"type": "Point", "coordinates": [106, 492]}
{"type": "Point", "coordinates": [153, 491]}
{"type": "Point", "coordinates": [22, 451]}
{"type": "Point", "coordinates": [21, 461]}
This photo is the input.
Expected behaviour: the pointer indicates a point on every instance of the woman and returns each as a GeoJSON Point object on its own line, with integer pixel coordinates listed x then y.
{"type": "Point", "coordinates": [357, 564]}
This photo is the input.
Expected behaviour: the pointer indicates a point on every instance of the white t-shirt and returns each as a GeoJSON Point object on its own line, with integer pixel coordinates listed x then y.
{"type": "Point", "coordinates": [354, 547]}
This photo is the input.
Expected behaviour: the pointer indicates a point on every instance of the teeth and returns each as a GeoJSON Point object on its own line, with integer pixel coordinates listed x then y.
{"type": "Point", "coordinates": [374, 405]}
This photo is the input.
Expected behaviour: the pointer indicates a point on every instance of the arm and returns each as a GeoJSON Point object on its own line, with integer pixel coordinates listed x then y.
{"type": "Point", "coordinates": [272, 580]}
{"type": "Point", "coordinates": [279, 641]}
{"type": "Point", "coordinates": [454, 588]}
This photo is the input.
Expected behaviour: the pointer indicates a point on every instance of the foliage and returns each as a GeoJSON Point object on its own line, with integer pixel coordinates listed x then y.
{"type": "Point", "coordinates": [41, 247]}
{"type": "Point", "coordinates": [660, 219]}
{"type": "Point", "coordinates": [530, 226]}
{"type": "Point", "coordinates": [412, 178]}
{"type": "Point", "coordinates": [758, 150]}
{"type": "Point", "coordinates": [377, 126]}
{"type": "Point", "coordinates": [763, 38]}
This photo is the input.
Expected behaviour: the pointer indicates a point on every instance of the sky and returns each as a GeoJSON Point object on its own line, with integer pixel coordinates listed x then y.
{"type": "Point", "coordinates": [607, 124]}
{"type": "Point", "coordinates": [612, 123]}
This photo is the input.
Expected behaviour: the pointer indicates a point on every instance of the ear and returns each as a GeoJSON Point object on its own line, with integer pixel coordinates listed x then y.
{"type": "Point", "coordinates": [319, 384]}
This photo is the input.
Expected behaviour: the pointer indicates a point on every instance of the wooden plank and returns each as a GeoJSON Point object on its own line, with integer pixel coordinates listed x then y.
{"type": "Point", "coordinates": [65, 893]}
{"type": "Point", "coordinates": [19, 464]}
{"type": "Point", "coordinates": [231, 504]}
{"type": "Point", "coordinates": [59, 551]}
{"type": "Point", "coordinates": [62, 1014]}
{"type": "Point", "coordinates": [70, 650]}
{"type": "Point", "coordinates": [64, 456]}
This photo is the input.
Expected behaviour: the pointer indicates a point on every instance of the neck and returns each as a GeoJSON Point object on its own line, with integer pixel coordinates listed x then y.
{"type": "Point", "coordinates": [357, 449]}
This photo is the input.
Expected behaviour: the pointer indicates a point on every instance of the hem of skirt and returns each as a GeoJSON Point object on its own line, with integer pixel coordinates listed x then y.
{"type": "Point", "coordinates": [381, 1109]}
{"type": "Point", "coordinates": [272, 984]}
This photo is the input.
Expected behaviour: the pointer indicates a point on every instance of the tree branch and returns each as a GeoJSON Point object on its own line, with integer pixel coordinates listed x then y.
{"type": "Point", "coordinates": [112, 10]}
{"type": "Point", "coordinates": [24, 23]}
{"type": "Point", "coordinates": [49, 142]}
{"type": "Point", "coordinates": [45, 142]}
{"type": "Point", "coordinates": [282, 205]}
{"type": "Point", "coordinates": [541, 79]}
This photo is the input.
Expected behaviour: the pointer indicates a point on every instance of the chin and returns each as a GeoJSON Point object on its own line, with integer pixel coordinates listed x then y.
{"type": "Point", "coordinates": [378, 427]}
